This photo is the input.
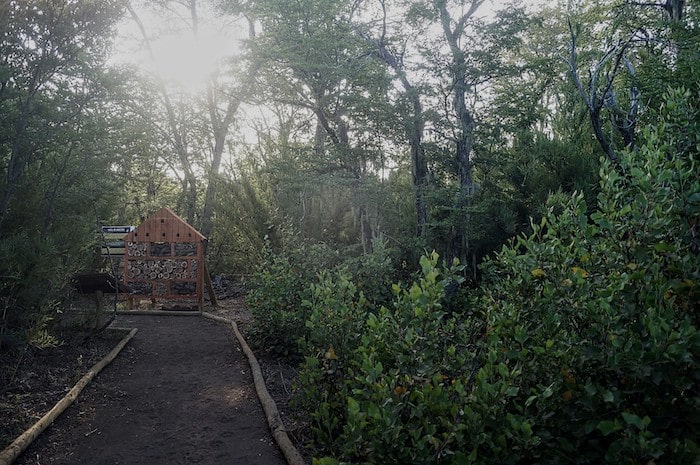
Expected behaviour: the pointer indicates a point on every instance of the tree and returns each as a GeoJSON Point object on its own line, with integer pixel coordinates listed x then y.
{"type": "Point", "coordinates": [55, 134]}
{"type": "Point", "coordinates": [463, 61]}
{"type": "Point", "coordinates": [194, 126]}
{"type": "Point", "coordinates": [316, 63]}
{"type": "Point", "coordinates": [634, 35]}
{"type": "Point", "coordinates": [175, 128]}
{"type": "Point", "coordinates": [410, 110]}
{"type": "Point", "coordinates": [52, 53]}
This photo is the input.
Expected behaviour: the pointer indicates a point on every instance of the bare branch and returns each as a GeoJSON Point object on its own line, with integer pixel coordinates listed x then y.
{"type": "Point", "coordinates": [573, 67]}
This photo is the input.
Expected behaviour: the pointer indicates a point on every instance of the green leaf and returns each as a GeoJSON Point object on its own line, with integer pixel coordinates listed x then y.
{"type": "Point", "coordinates": [608, 396]}
{"type": "Point", "coordinates": [353, 407]}
{"type": "Point", "coordinates": [634, 420]}
{"type": "Point", "coordinates": [373, 411]}
{"type": "Point", "coordinates": [460, 458]}
{"type": "Point", "coordinates": [607, 427]}
{"type": "Point", "coordinates": [663, 247]}
{"type": "Point", "coordinates": [548, 392]}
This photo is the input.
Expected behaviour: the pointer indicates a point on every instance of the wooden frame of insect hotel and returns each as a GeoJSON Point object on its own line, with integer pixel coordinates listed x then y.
{"type": "Point", "coordinates": [164, 259]}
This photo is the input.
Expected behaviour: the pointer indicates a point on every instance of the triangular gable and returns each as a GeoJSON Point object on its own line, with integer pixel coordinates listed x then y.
{"type": "Point", "coordinates": [164, 226]}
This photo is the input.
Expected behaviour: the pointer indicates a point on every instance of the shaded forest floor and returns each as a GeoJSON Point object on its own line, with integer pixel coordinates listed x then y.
{"type": "Point", "coordinates": [180, 392]}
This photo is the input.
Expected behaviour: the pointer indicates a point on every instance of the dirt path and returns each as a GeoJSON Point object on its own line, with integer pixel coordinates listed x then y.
{"type": "Point", "coordinates": [181, 392]}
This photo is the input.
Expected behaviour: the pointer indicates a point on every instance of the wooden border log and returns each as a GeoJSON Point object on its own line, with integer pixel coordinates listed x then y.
{"type": "Point", "coordinates": [159, 313]}
{"type": "Point", "coordinates": [18, 446]}
{"type": "Point", "coordinates": [274, 420]}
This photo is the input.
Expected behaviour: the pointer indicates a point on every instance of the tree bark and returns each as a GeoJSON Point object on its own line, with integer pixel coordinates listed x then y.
{"type": "Point", "coordinates": [464, 130]}
{"type": "Point", "coordinates": [414, 133]}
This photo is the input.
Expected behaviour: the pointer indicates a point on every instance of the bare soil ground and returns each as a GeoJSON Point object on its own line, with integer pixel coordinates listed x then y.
{"type": "Point", "coordinates": [180, 392]}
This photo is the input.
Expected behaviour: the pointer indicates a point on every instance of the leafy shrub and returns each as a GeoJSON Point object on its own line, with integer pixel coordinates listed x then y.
{"type": "Point", "coordinates": [601, 315]}
{"type": "Point", "coordinates": [336, 315]}
{"type": "Point", "coordinates": [277, 292]}
{"type": "Point", "coordinates": [389, 395]}
{"type": "Point", "coordinates": [371, 273]}
{"type": "Point", "coordinates": [583, 349]}
{"type": "Point", "coordinates": [285, 281]}
{"type": "Point", "coordinates": [33, 281]}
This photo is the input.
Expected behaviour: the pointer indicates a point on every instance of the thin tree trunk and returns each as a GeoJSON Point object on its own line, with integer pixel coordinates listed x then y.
{"type": "Point", "coordinates": [189, 185]}
{"type": "Point", "coordinates": [414, 134]}
{"type": "Point", "coordinates": [464, 130]}
{"type": "Point", "coordinates": [220, 129]}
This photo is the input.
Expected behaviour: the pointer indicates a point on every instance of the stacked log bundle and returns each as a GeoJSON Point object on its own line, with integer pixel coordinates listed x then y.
{"type": "Point", "coordinates": [161, 269]}
{"type": "Point", "coordinates": [186, 249]}
{"type": "Point", "coordinates": [176, 276]}
{"type": "Point", "coordinates": [136, 249]}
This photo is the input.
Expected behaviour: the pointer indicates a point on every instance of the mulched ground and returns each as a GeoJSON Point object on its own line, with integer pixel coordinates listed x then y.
{"type": "Point", "coordinates": [180, 392]}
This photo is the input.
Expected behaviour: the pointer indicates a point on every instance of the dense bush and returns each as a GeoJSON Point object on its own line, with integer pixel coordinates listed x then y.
{"type": "Point", "coordinates": [582, 347]}
{"type": "Point", "coordinates": [34, 280]}
{"type": "Point", "coordinates": [277, 291]}
{"type": "Point", "coordinates": [284, 286]}
{"type": "Point", "coordinates": [601, 314]}
{"type": "Point", "coordinates": [388, 395]}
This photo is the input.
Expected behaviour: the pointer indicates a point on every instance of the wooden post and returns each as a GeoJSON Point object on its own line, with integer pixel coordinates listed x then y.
{"type": "Point", "coordinates": [210, 288]}
{"type": "Point", "coordinates": [99, 313]}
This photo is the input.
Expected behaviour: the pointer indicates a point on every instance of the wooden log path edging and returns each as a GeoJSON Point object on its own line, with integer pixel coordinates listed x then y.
{"type": "Point", "coordinates": [159, 313]}
{"type": "Point", "coordinates": [274, 420]}
{"type": "Point", "coordinates": [10, 454]}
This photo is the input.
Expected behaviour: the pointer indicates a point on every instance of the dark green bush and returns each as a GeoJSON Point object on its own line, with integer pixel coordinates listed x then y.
{"type": "Point", "coordinates": [285, 282]}
{"type": "Point", "coordinates": [35, 279]}
{"type": "Point", "coordinates": [277, 291]}
{"type": "Point", "coordinates": [601, 314]}
{"type": "Point", "coordinates": [388, 395]}
{"type": "Point", "coordinates": [583, 347]}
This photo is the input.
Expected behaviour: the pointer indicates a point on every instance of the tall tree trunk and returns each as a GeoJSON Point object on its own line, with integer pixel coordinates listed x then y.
{"type": "Point", "coordinates": [220, 128]}
{"type": "Point", "coordinates": [464, 130]}
{"type": "Point", "coordinates": [414, 133]}
{"type": "Point", "coordinates": [415, 128]}
{"type": "Point", "coordinates": [179, 139]}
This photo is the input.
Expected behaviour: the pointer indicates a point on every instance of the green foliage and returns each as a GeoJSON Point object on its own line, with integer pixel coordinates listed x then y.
{"type": "Point", "coordinates": [57, 146]}
{"type": "Point", "coordinates": [337, 311]}
{"type": "Point", "coordinates": [242, 224]}
{"type": "Point", "coordinates": [286, 284]}
{"type": "Point", "coordinates": [33, 282]}
{"type": "Point", "coordinates": [385, 391]}
{"type": "Point", "coordinates": [583, 349]}
{"type": "Point", "coordinates": [278, 290]}
{"type": "Point", "coordinates": [601, 314]}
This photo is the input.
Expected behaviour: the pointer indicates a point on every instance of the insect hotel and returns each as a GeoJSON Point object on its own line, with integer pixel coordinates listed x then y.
{"type": "Point", "coordinates": [164, 259]}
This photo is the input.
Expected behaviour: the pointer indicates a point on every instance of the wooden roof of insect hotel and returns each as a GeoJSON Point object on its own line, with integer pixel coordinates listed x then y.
{"type": "Point", "coordinates": [164, 226]}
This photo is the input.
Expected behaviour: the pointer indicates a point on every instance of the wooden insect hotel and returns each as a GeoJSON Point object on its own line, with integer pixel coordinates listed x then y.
{"type": "Point", "coordinates": [165, 259]}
